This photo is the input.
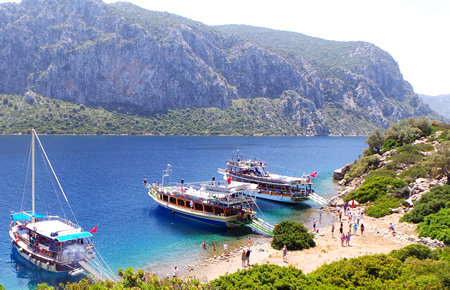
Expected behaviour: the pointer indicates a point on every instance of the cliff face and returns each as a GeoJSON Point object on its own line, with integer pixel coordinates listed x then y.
{"type": "Point", "coordinates": [123, 57]}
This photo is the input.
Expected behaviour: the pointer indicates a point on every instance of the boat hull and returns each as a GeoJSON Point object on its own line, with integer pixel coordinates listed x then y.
{"type": "Point", "coordinates": [211, 219]}
{"type": "Point", "coordinates": [277, 198]}
{"type": "Point", "coordinates": [284, 197]}
{"type": "Point", "coordinates": [35, 260]}
{"type": "Point", "coordinates": [194, 217]}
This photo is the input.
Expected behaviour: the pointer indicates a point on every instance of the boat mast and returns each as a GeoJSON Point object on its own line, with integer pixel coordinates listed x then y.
{"type": "Point", "coordinates": [32, 174]}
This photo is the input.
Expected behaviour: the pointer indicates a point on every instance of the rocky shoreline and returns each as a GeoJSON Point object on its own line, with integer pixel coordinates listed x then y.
{"type": "Point", "coordinates": [378, 237]}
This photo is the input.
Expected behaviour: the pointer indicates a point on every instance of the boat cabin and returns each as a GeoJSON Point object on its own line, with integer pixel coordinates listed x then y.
{"type": "Point", "coordinates": [51, 238]}
{"type": "Point", "coordinates": [207, 200]}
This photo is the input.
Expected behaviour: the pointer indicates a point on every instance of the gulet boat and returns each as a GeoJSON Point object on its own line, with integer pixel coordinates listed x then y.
{"type": "Point", "coordinates": [270, 186]}
{"type": "Point", "coordinates": [53, 243]}
{"type": "Point", "coordinates": [226, 205]}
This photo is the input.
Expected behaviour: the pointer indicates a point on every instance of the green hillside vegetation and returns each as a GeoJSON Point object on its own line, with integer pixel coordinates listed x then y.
{"type": "Point", "coordinates": [413, 267]}
{"type": "Point", "coordinates": [329, 56]}
{"type": "Point", "coordinates": [52, 116]}
{"type": "Point", "coordinates": [386, 188]}
{"type": "Point", "coordinates": [154, 22]}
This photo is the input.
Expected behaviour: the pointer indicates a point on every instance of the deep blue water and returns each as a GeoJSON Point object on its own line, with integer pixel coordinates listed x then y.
{"type": "Point", "coordinates": [102, 177]}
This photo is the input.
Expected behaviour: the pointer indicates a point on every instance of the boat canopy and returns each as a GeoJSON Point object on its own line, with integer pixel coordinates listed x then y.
{"type": "Point", "coordinates": [25, 216]}
{"type": "Point", "coordinates": [75, 236]}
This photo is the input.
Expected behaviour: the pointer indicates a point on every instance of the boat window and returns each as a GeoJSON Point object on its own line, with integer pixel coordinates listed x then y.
{"type": "Point", "coordinates": [164, 197]}
{"type": "Point", "coordinates": [181, 202]}
{"type": "Point", "coordinates": [173, 200]}
{"type": "Point", "coordinates": [198, 206]}
{"type": "Point", "coordinates": [208, 208]}
{"type": "Point", "coordinates": [218, 210]}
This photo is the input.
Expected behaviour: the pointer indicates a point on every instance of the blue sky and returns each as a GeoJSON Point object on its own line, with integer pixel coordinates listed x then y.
{"type": "Point", "coordinates": [414, 32]}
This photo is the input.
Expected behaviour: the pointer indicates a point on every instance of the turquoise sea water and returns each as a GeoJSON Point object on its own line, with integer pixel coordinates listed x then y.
{"type": "Point", "coordinates": [102, 177]}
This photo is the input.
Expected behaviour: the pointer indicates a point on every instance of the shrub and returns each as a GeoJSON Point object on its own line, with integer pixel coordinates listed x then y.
{"type": "Point", "coordinates": [375, 141]}
{"type": "Point", "coordinates": [414, 172]}
{"type": "Point", "coordinates": [374, 187]}
{"type": "Point", "coordinates": [383, 206]}
{"type": "Point", "coordinates": [436, 226]}
{"type": "Point", "coordinates": [415, 250]}
{"type": "Point", "coordinates": [429, 203]}
{"type": "Point", "coordinates": [389, 144]}
{"type": "Point", "coordinates": [440, 161]}
{"type": "Point", "coordinates": [424, 147]}
{"type": "Point", "coordinates": [362, 165]}
{"type": "Point", "coordinates": [407, 154]}
{"type": "Point", "coordinates": [361, 272]}
{"type": "Point", "coordinates": [292, 234]}
{"type": "Point", "coordinates": [382, 172]}
{"type": "Point", "coordinates": [267, 276]}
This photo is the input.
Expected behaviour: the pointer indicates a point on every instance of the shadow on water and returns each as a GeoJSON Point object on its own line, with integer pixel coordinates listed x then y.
{"type": "Point", "coordinates": [29, 272]}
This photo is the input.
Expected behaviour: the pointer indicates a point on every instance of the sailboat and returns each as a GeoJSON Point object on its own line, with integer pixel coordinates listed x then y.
{"type": "Point", "coordinates": [54, 243]}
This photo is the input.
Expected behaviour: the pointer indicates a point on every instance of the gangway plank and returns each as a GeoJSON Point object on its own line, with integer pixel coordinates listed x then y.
{"type": "Point", "coordinates": [91, 271]}
{"type": "Point", "coordinates": [318, 199]}
{"type": "Point", "coordinates": [258, 225]}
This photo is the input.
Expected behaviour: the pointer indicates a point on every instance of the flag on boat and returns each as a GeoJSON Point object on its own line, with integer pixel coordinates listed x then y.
{"type": "Point", "coordinates": [94, 230]}
{"type": "Point", "coordinates": [314, 174]}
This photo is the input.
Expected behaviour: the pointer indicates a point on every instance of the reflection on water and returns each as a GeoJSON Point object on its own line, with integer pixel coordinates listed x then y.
{"type": "Point", "coordinates": [31, 275]}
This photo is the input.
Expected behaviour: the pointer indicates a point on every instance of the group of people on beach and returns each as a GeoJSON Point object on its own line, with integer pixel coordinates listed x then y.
{"type": "Point", "coordinates": [354, 222]}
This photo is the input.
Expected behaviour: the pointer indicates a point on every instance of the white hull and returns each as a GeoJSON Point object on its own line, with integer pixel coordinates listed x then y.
{"type": "Point", "coordinates": [36, 262]}
{"type": "Point", "coordinates": [33, 258]}
{"type": "Point", "coordinates": [277, 198]}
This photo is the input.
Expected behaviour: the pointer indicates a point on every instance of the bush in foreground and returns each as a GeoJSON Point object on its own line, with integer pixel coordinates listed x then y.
{"type": "Point", "coordinates": [292, 234]}
{"type": "Point", "coordinates": [262, 277]}
{"type": "Point", "coordinates": [415, 250]}
{"type": "Point", "coordinates": [413, 267]}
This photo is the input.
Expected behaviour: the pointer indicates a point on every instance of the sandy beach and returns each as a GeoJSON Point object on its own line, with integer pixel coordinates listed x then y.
{"type": "Point", "coordinates": [377, 239]}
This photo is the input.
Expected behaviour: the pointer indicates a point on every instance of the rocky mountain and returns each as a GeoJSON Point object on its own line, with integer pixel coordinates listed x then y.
{"type": "Point", "coordinates": [128, 59]}
{"type": "Point", "coordinates": [440, 104]}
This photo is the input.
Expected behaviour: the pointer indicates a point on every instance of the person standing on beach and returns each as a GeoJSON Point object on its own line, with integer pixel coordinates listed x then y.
{"type": "Point", "coordinates": [320, 214]}
{"type": "Point", "coordinates": [332, 230]}
{"type": "Point", "coordinates": [345, 207]}
{"type": "Point", "coordinates": [342, 240]}
{"type": "Point", "coordinates": [243, 257]}
{"type": "Point", "coordinates": [314, 225]}
{"type": "Point", "coordinates": [213, 244]}
{"type": "Point", "coordinates": [341, 229]}
{"type": "Point", "coordinates": [355, 228]}
{"type": "Point", "coordinates": [347, 237]}
{"type": "Point", "coordinates": [225, 248]}
{"type": "Point", "coordinates": [203, 245]}
{"type": "Point", "coordinates": [249, 242]}
{"type": "Point", "coordinates": [247, 255]}
{"type": "Point", "coordinates": [362, 229]}
{"type": "Point", "coordinates": [285, 254]}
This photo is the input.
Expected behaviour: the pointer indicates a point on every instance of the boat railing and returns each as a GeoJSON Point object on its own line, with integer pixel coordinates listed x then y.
{"type": "Point", "coordinates": [63, 220]}
{"type": "Point", "coordinates": [44, 250]}
{"type": "Point", "coordinates": [229, 202]}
